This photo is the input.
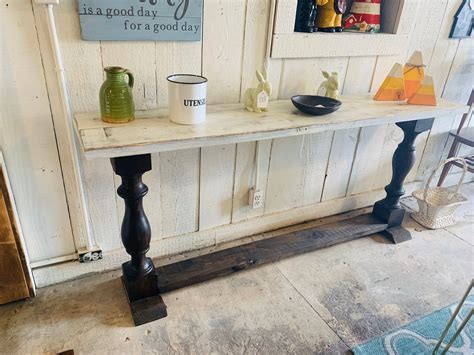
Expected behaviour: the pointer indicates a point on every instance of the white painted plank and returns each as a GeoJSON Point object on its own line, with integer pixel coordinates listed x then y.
{"type": "Point", "coordinates": [179, 173]}
{"type": "Point", "coordinates": [285, 175]}
{"type": "Point", "coordinates": [444, 49]}
{"type": "Point", "coordinates": [62, 131]}
{"type": "Point", "coordinates": [174, 58]}
{"type": "Point", "coordinates": [176, 207]}
{"type": "Point", "coordinates": [102, 201]}
{"type": "Point", "coordinates": [124, 54]}
{"type": "Point", "coordinates": [317, 147]}
{"type": "Point", "coordinates": [357, 81]}
{"type": "Point", "coordinates": [365, 169]}
{"type": "Point", "coordinates": [153, 132]}
{"type": "Point", "coordinates": [222, 49]}
{"type": "Point", "coordinates": [458, 88]}
{"type": "Point", "coordinates": [340, 163]}
{"type": "Point", "coordinates": [311, 45]}
{"type": "Point", "coordinates": [256, 31]}
{"type": "Point", "coordinates": [310, 68]}
{"type": "Point", "coordinates": [245, 178]}
{"type": "Point", "coordinates": [27, 137]}
{"type": "Point", "coordinates": [284, 21]}
{"type": "Point", "coordinates": [139, 58]}
{"type": "Point", "coordinates": [217, 183]}
{"type": "Point", "coordinates": [84, 73]}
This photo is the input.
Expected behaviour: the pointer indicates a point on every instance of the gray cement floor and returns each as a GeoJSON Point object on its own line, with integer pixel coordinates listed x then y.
{"type": "Point", "coordinates": [321, 302]}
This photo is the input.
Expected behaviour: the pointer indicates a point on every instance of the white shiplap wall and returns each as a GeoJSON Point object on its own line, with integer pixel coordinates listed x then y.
{"type": "Point", "coordinates": [198, 197]}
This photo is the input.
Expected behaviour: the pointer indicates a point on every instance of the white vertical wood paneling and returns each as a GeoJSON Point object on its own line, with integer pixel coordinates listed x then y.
{"type": "Point", "coordinates": [190, 190]}
{"type": "Point", "coordinates": [340, 163]}
{"type": "Point", "coordinates": [84, 73]}
{"type": "Point", "coordinates": [309, 68]}
{"type": "Point", "coordinates": [357, 81]}
{"type": "Point", "coordinates": [174, 58]}
{"type": "Point", "coordinates": [27, 137]}
{"type": "Point", "coordinates": [245, 178]}
{"type": "Point", "coordinates": [317, 147]}
{"type": "Point", "coordinates": [139, 58]}
{"type": "Point", "coordinates": [222, 47]}
{"type": "Point", "coordinates": [365, 168]}
{"type": "Point", "coordinates": [100, 189]}
{"type": "Point", "coordinates": [285, 174]}
{"type": "Point", "coordinates": [458, 88]}
{"type": "Point", "coordinates": [217, 183]}
{"type": "Point", "coordinates": [61, 129]}
{"type": "Point", "coordinates": [179, 172]}
{"type": "Point", "coordinates": [256, 30]}
{"type": "Point", "coordinates": [145, 97]}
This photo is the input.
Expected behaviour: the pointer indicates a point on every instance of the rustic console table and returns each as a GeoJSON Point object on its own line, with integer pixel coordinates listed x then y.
{"type": "Point", "coordinates": [130, 146]}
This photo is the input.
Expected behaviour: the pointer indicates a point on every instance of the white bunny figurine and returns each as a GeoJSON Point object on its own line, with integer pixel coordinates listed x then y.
{"type": "Point", "coordinates": [331, 84]}
{"type": "Point", "coordinates": [256, 100]}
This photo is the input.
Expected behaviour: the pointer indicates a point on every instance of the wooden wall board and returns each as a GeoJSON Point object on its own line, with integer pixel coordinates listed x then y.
{"type": "Point", "coordinates": [364, 171]}
{"type": "Point", "coordinates": [217, 185]}
{"type": "Point", "coordinates": [245, 178]}
{"type": "Point", "coordinates": [174, 58]}
{"type": "Point", "coordinates": [222, 49]}
{"type": "Point", "coordinates": [179, 173]}
{"type": "Point", "coordinates": [124, 54]}
{"type": "Point", "coordinates": [234, 60]}
{"type": "Point", "coordinates": [27, 136]}
{"type": "Point", "coordinates": [340, 163]}
{"type": "Point", "coordinates": [79, 221]}
{"type": "Point", "coordinates": [357, 80]}
{"type": "Point", "coordinates": [302, 45]}
{"type": "Point", "coordinates": [255, 31]}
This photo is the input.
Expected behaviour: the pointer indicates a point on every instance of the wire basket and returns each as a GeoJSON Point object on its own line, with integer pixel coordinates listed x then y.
{"type": "Point", "coordinates": [437, 205]}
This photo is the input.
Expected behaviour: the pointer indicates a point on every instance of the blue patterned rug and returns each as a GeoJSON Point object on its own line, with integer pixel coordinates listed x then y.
{"type": "Point", "coordinates": [421, 336]}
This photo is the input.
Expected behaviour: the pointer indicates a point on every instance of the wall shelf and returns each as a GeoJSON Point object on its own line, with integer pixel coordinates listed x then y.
{"type": "Point", "coordinates": [398, 17]}
{"type": "Point", "coordinates": [310, 45]}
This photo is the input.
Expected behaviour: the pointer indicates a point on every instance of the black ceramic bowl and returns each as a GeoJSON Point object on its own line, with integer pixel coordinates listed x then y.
{"type": "Point", "coordinates": [315, 105]}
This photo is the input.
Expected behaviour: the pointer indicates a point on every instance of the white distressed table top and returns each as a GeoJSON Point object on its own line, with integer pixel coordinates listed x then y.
{"type": "Point", "coordinates": [153, 132]}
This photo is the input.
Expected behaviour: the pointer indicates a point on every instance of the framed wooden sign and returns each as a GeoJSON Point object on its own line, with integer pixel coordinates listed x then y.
{"type": "Point", "coordinates": [129, 20]}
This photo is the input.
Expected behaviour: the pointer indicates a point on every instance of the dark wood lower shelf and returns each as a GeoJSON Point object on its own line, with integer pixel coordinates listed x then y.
{"type": "Point", "coordinates": [228, 261]}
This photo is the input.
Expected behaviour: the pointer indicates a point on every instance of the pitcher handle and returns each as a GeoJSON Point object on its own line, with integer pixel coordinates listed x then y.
{"type": "Point", "coordinates": [131, 79]}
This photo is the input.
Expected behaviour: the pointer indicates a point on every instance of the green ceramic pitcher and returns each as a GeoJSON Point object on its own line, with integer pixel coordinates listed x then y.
{"type": "Point", "coordinates": [116, 96]}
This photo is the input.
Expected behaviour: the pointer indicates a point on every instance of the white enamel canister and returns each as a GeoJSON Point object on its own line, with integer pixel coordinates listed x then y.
{"type": "Point", "coordinates": [187, 98]}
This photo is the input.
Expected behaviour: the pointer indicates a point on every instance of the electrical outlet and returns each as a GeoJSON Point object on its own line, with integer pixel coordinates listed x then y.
{"type": "Point", "coordinates": [255, 198]}
{"type": "Point", "coordinates": [86, 256]}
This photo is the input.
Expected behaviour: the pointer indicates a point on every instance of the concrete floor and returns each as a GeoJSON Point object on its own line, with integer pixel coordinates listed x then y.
{"type": "Point", "coordinates": [321, 302]}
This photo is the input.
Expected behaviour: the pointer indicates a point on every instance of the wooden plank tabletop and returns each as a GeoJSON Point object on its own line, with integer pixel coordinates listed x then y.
{"type": "Point", "coordinates": [153, 132]}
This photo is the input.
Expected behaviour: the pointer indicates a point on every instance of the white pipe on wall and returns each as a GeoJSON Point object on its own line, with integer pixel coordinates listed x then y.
{"type": "Point", "coordinates": [58, 60]}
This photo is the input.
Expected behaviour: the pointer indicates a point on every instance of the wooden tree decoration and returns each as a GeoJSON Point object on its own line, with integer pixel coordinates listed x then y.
{"type": "Point", "coordinates": [413, 73]}
{"type": "Point", "coordinates": [463, 20]}
{"type": "Point", "coordinates": [409, 82]}
{"type": "Point", "coordinates": [393, 87]}
{"type": "Point", "coordinates": [425, 95]}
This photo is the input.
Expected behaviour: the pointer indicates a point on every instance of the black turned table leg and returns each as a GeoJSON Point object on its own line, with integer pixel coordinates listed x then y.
{"type": "Point", "coordinates": [139, 276]}
{"type": "Point", "coordinates": [389, 209]}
